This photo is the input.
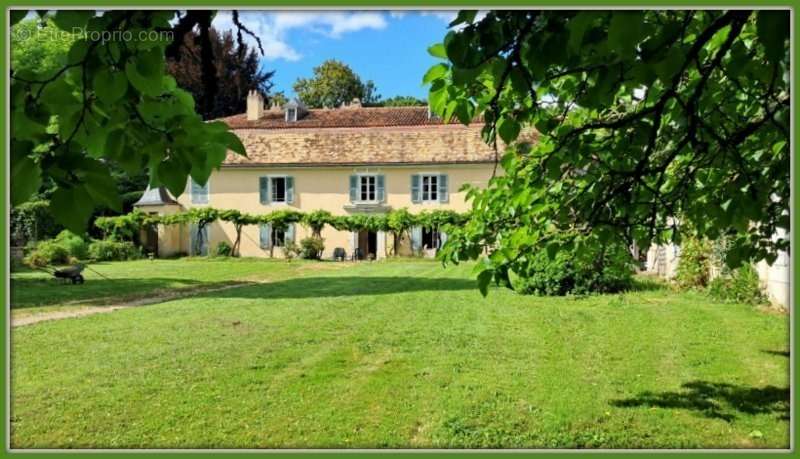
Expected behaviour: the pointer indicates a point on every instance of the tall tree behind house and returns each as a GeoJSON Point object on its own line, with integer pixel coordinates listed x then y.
{"type": "Point", "coordinates": [237, 71]}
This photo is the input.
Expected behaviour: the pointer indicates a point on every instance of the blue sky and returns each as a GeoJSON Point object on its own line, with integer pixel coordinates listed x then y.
{"type": "Point", "coordinates": [388, 47]}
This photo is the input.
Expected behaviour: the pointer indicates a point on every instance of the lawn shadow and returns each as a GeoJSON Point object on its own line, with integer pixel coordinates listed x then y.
{"type": "Point", "coordinates": [342, 286]}
{"type": "Point", "coordinates": [41, 292]}
{"type": "Point", "coordinates": [716, 400]}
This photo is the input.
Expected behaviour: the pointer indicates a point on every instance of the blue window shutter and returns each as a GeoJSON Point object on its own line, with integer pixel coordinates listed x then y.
{"type": "Point", "coordinates": [264, 236]}
{"type": "Point", "coordinates": [353, 188]}
{"type": "Point", "coordinates": [204, 241]}
{"type": "Point", "coordinates": [443, 196]}
{"type": "Point", "coordinates": [380, 188]}
{"type": "Point", "coordinates": [289, 190]}
{"type": "Point", "coordinates": [289, 234]}
{"type": "Point", "coordinates": [415, 195]}
{"type": "Point", "coordinates": [192, 237]}
{"type": "Point", "coordinates": [263, 189]}
{"type": "Point", "coordinates": [416, 239]}
{"type": "Point", "coordinates": [199, 193]}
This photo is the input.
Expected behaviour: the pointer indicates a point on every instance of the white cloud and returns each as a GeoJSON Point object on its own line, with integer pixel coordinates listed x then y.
{"type": "Point", "coordinates": [274, 28]}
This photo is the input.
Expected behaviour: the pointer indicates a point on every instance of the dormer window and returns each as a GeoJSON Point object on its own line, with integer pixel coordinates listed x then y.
{"type": "Point", "coordinates": [294, 110]}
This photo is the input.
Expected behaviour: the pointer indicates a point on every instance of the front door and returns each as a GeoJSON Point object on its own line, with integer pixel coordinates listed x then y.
{"type": "Point", "coordinates": [151, 239]}
{"type": "Point", "coordinates": [367, 245]}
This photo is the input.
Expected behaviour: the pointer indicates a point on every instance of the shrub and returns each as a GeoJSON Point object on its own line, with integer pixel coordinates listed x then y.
{"type": "Point", "coordinates": [290, 250]}
{"type": "Point", "coordinates": [740, 286]}
{"type": "Point", "coordinates": [113, 251]}
{"type": "Point", "coordinates": [46, 253]}
{"type": "Point", "coordinates": [76, 246]}
{"type": "Point", "coordinates": [312, 247]}
{"type": "Point", "coordinates": [608, 270]}
{"type": "Point", "coordinates": [694, 264]}
{"type": "Point", "coordinates": [223, 249]}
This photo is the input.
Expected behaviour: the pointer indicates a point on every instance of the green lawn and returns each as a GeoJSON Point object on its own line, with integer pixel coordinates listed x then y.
{"type": "Point", "coordinates": [395, 354]}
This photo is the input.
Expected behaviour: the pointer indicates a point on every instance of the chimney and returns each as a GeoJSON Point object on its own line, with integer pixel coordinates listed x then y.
{"type": "Point", "coordinates": [255, 105]}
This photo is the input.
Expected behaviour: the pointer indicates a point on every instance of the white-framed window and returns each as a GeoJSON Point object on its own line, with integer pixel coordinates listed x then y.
{"type": "Point", "coordinates": [291, 115]}
{"type": "Point", "coordinates": [199, 194]}
{"type": "Point", "coordinates": [367, 188]}
{"type": "Point", "coordinates": [430, 187]}
{"type": "Point", "coordinates": [276, 189]}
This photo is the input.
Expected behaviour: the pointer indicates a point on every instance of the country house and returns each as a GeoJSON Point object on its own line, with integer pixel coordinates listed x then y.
{"type": "Point", "coordinates": [346, 160]}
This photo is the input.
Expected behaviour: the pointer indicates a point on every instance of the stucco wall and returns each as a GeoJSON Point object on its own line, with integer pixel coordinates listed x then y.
{"type": "Point", "coordinates": [327, 189]}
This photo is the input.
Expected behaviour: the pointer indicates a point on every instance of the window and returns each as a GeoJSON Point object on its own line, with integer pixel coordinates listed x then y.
{"type": "Point", "coordinates": [199, 193]}
{"type": "Point", "coordinates": [278, 237]}
{"type": "Point", "coordinates": [430, 190]}
{"type": "Point", "coordinates": [291, 114]}
{"type": "Point", "coordinates": [279, 189]}
{"type": "Point", "coordinates": [430, 238]}
{"type": "Point", "coordinates": [367, 188]}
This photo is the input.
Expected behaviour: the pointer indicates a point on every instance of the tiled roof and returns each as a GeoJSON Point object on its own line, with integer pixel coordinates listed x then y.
{"type": "Point", "coordinates": [155, 197]}
{"type": "Point", "coordinates": [340, 117]}
{"type": "Point", "coordinates": [359, 146]}
{"type": "Point", "coordinates": [358, 136]}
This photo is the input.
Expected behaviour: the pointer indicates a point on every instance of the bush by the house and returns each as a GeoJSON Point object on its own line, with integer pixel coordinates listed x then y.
{"type": "Point", "coordinates": [741, 285]}
{"type": "Point", "coordinates": [47, 252]}
{"type": "Point", "coordinates": [223, 249]}
{"type": "Point", "coordinates": [76, 245]}
{"type": "Point", "coordinates": [113, 251]}
{"type": "Point", "coordinates": [290, 250]}
{"type": "Point", "coordinates": [694, 264]}
{"type": "Point", "coordinates": [606, 270]}
{"type": "Point", "coordinates": [312, 247]}
{"type": "Point", "coordinates": [65, 248]}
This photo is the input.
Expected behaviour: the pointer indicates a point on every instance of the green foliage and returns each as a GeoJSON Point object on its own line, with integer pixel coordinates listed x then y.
{"type": "Point", "coordinates": [316, 220]}
{"type": "Point", "coordinates": [122, 227]}
{"type": "Point", "coordinates": [76, 245]}
{"type": "Point", "coordinates": [402, 101]}
{"type": "Point", "coordinates": [290, 250]}
{"type": "Point", "coordinates": [114, 251]}
{"type": "Point", "coordinates": [605, 270]}
{"type": "Point", "coordinates": [48, 252]}
{"type": "Point", "coordinates": [32, 221]}
{"type": "Point", "coordinates": [223, 249]}
{"type": "Point", "coordinates": [741, 285]}
{"type": "Point", "coordinates": [694, 263]}
{"type": "Point", "coordinates": [312, 247]}
{"type": "Point", "coordinates": [642, 116]}
{"type": "Point", "coordinates": [39, 46]}
{"type": "Point", "coordinates": [333, 84]}
{"type": "Point", "coordinates": [108, 102]}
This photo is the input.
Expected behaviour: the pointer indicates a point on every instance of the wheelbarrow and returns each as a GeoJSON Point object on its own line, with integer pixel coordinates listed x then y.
{"type": "Point", "coordinates": [71, 273]}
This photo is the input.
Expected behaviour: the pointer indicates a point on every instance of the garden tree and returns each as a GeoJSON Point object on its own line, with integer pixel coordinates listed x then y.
{"type": "Point", "coordinates": [239, 220]}
{"type": "Point", "coordinates": [280, 219]}
{"type": "Point", "coordinates": [39, 46]}
{"type": "Point", "coordinates": [201, 217]}
{"type": "Point", "coordinates": [316, 221]}
{"type": "Point", "coordinates": [650, 123]}
{"type": "Point", "coordinates": [111, 101]}
{"type": "Point", "coordinates": [278, 98]}
{"type": "Point", "coordinates": [399, 222]}
{"type": "Point", "coordinates": [334, 83]}
{"type": "Point", "coordinates": [402, 101]}
{"type": "Point", "coordinates": [237, 71]}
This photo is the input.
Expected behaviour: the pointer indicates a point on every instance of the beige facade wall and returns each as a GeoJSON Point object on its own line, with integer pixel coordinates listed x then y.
{"type": "Point", "coordinates": [328, 189]}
